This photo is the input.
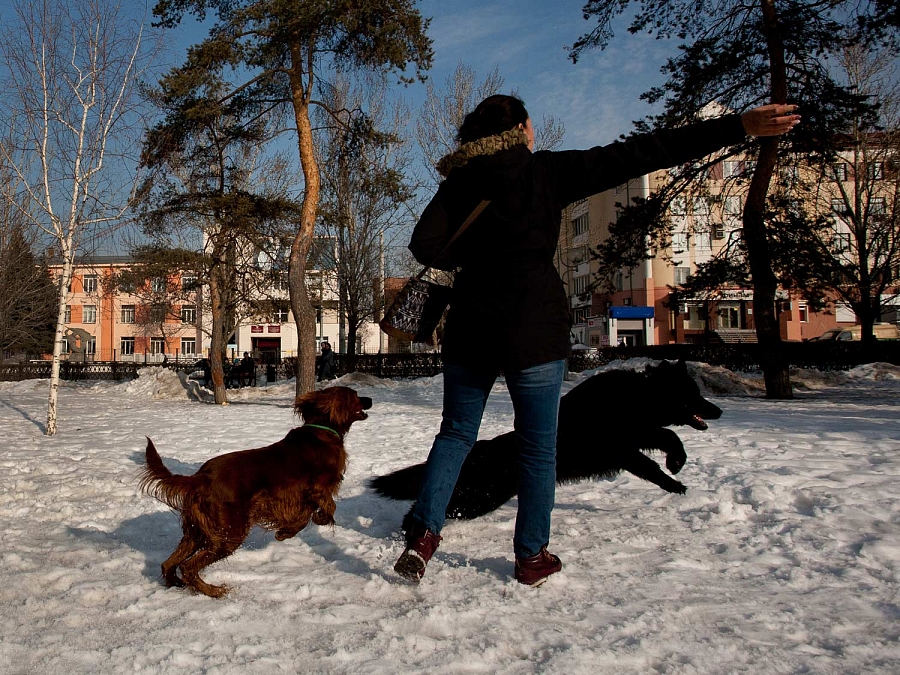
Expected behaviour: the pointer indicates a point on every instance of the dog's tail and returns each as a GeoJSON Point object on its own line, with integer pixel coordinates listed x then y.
{"type": "Point", "coordinates": [157, 481]}
{"type": "Point", "coordinates": [402, 484]}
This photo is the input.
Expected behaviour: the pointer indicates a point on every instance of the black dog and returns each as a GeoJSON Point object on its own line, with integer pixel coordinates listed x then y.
{"type": "Point", "coordinates": [633, 409]}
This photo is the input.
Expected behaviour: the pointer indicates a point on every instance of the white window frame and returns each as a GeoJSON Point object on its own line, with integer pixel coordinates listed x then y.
{"type": "Point", "coordinates": [189, 314]}
{"type": "Point", "coordinates": [158, 285]}
{"type": "Point", "coordinates": [126, 346]}
{"type": "Point", "coordinates": [128, 314]}
{"type": "Point", "coordinates": [188, 345]}
{"type": "Point", "coordinates": [681, 274]}
{"type": "Point", "coordinates": [581, 224]}
{"type": "Point", "coordinates": [89, 283]}
{"type": "Point", "coordinates": [89, 314]}
{"type": "Point", "coordinates": [157, 346]}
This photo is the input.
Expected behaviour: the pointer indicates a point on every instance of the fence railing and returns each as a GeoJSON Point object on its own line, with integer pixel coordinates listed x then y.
{"type": "Point", "coordinates": [736, 357]}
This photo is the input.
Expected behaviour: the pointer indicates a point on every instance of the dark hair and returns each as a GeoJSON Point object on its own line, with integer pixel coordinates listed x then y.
{"type": "Point", "coordinates": [492, 116]}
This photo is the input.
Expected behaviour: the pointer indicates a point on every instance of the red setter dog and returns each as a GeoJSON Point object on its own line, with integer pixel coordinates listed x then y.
{"type": "Point", "coordinates": [280, 487]}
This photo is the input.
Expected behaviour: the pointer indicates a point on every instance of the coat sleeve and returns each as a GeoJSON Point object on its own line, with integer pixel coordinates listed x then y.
{"type": "Point", "coordinates": [577, 174]}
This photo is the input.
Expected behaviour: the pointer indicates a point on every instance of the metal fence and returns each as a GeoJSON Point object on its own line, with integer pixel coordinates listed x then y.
{"type": "Point", "coordinates": [737, 357]}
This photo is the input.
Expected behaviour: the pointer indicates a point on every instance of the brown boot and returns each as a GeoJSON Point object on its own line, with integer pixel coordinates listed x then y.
{"type": "Point", "coordinates": [420, 546]}
{"type": "Point", "coordinates": [533, 571]}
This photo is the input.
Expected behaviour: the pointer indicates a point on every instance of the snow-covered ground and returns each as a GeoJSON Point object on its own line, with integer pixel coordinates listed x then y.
{"type": "Point", "coordinates": [781, 558]}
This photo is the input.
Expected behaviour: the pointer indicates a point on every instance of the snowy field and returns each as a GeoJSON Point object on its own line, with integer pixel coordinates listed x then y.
{"type": "Point", "coordinates": [782, 557]}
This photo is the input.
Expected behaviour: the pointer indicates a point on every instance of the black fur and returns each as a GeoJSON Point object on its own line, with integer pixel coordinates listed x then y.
{"type": "Point", "coordinates": [606, 424]}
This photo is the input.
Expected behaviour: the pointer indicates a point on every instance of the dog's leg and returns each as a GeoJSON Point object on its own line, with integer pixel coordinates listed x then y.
{"type": "Point", "coordinates": [324, 514]}
{"type": "Point", "coordinates": [190, 570]}
{"type": "Point", "coordinates": [666, 441]}
{"type": "Point", "coordinates": [185, 549]}
{"type": "Point", "coordinates": [642, 466]}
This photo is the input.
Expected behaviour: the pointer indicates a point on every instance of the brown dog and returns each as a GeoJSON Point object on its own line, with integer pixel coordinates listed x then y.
{"type": "Point", "coordinates": [280, 487]}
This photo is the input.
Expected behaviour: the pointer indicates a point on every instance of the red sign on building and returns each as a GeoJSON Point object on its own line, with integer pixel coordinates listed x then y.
{"type": "Point", "coordinates": [256, 329]}
{"type": "Point", "coordinates": [274, 329]}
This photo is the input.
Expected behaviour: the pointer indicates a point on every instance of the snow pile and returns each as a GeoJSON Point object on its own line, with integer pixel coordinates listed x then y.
{"type": "Point", "coordinates": [159, 384]}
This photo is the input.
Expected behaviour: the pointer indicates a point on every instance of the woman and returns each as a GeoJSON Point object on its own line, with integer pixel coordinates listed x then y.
{"type": "Point", "coordinates": [509, 311]}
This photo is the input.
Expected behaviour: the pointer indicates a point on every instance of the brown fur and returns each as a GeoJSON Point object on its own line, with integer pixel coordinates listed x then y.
{"type": "Point", "coordinates": [279, 487]}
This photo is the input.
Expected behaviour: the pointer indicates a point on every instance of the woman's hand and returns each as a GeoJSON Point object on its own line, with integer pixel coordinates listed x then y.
{"type": "Point", "coordinates": [770, 120]}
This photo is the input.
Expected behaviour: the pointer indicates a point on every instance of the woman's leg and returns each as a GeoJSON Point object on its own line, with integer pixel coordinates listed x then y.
{"type": "Point", "coordinates": [466, 392]}
{"type": "Point", "coordinates": [535, 396]}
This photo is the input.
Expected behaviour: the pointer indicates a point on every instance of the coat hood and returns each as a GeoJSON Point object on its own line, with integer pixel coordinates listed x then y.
{"type": "Point", "coordinates": [489, 145]}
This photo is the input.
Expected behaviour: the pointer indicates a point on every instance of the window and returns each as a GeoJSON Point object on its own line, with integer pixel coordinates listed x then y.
{"type": "Point", "coordinates": [679, 242]}
{"type": "Point", "coordinates": [314, 284]}
{"type": "Point", "coordinates": [580, 284]}
{"type": "Point", "coordinates": [127, 313]}
{"type": "Point", "coordinates": [281, 316]}
{"type": "Point", "coordinates": [839, 206]}
{"type": "Point", "coordinates": [839, 171]}
{"type": "Point", "coordinates": [718, 231]}
{"type": "Point", "coordinates": [89, 314]}
{"type": "Point", "coordinates": [678, 206]}
{"type": "Point", "coordinates": [126, 346]}
{"type": "Point", "coordinates": [126, 286]}
{"type": "Point", "coordinates": [188, 345]}
{"type": "Point", "coordinates": [157, 313]}
{"type": "Point", "coordinates": [731, 168]}
{"type": "Point", "coordinates": [841, 242]}
{"type": "Point", "coordinates": [188, 282]}
{"type": "Point", "coordinates": [90, 347]}
{"type": "Point", "coordinates": [733, 206]}
{"type": "Point", "coordinates": [580, 315]}
{"type": "Point", "coordinates": [90, 283]}
{"type": "Point", "coordinates": [68, 317]}
{"type": "Point", "coordinates": [158, 285]}
{"type": "Point", "coordinates": [877, 206]}
{"type": "Point", "coordinates": [157, 345]}
{"type": "Point", "coordinates": [580, 225]}
{"type": "Point", "coordinates": [790, 175]}
{"type": "Point", "coordinates": [803, 312]}
{"type": "Point", "coordinates": [681, 275]}
{"type": "Point", "coordinates": [875, 170]}
{"type": "Point", "coordinates": [189, 314]}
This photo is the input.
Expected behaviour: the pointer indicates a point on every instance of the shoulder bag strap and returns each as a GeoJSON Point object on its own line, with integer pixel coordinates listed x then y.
{"type": "Point", "coordinates": [462, 228]}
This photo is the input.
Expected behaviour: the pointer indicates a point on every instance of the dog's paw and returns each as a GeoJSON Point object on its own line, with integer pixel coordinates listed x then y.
{"type": "Point", "coordinates": [675, 462]}
{"type": "Point", "coordinates": [321, 517]}
{"type": "Point", "coordinates": [677, 488]}
{"type": "Point", "coordinates": [285, 533]}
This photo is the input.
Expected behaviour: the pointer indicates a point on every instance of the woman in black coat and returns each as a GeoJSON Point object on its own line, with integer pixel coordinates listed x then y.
{"type": "Point", "coordinates": [509, 312]}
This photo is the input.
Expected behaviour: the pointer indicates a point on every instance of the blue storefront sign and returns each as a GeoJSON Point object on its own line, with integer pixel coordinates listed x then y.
{"type": "Point", "coordinates": [631, 312]}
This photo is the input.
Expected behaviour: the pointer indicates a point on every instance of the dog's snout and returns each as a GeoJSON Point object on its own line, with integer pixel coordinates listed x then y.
{"type": "Point", "coordinates": [366, 402]}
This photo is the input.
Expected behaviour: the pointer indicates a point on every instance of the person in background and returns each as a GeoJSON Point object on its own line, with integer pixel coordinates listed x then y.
{"type": "Point", "coordinates": [325, 367]}
{"type": "Point", "coordinates": [507, 286]}
{"type": "Point", "coordinates": [247, 370]}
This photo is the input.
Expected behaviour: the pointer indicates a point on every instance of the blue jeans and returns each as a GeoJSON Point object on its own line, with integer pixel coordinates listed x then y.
{"type": "Point", "coordinates": [535, 397]}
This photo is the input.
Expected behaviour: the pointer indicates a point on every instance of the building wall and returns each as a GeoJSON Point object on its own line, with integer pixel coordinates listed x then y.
{"type": "Point", "coordinates": [96, 307]}
{"type": "Point", "coordinates": [700, 230]}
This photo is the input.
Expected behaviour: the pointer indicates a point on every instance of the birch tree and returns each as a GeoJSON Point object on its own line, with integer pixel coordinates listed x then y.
{"type": "Point", "coordinates": [69, 70]}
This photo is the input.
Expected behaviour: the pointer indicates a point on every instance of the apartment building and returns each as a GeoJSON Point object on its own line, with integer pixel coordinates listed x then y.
{"type": "Point", "coordinates": [642, 310]}
{"type": "Point", "coordinates": [106, 320]}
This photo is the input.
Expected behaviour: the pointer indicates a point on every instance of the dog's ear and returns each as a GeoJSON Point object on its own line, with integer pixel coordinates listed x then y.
{"type": "Point", "coordinates": [306, 403]}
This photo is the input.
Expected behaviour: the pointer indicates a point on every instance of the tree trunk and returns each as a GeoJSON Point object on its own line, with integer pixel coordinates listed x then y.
{"type": "Point", "coordinates": [64, 281]}
{"type": "Point", "coordinates": [304, 312]}
{"type": "Point", "coordinates": [768, 331]}
{"type": "Point", "coordinates": [217, 333]}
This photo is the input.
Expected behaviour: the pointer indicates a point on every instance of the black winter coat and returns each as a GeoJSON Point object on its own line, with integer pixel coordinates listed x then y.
{"type": "Point", "coordinates": [509, 309]}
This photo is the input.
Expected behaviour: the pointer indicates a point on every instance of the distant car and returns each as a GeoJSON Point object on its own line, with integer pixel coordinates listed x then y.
{"type": "Point", "coordinates": [883, 331]}
{"type": "Point", "coordinates": [584, 349]}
